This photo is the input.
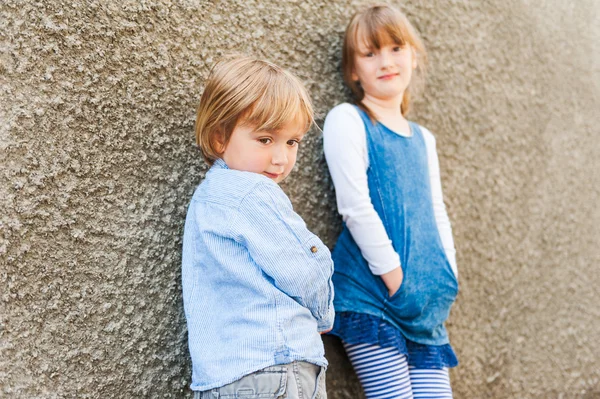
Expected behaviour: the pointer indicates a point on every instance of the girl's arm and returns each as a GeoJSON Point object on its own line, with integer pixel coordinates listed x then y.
{"type": "Point", "coordinates": [345, 146]}
{"type": "Point", "coordinates": [277, 240]}
{"type": "Point", "coordinates": [393, 280]}
{"type": "Point", "coordinates": [439, 208]}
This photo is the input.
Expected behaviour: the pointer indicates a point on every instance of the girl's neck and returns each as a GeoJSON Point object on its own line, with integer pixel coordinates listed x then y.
{"type": "Point", "coordinates": [384, 108]}
{"type": "Point", "coordinates": [388, 112]}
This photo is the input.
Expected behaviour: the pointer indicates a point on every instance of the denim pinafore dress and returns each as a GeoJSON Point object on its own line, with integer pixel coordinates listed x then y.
{"type": "Point", "coordinates": [413, 318]}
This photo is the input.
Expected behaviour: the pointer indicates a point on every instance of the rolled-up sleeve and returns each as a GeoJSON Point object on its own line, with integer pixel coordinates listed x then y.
{"type": "Point", "coordinates": [279, 243]}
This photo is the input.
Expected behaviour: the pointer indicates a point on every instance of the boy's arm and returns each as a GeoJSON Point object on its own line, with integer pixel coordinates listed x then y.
{"type": "Point", "coordinates": [278, 241]}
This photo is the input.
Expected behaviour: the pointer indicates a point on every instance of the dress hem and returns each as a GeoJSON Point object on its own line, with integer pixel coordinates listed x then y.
{"type": "Point", "coordinates": [361, 328]}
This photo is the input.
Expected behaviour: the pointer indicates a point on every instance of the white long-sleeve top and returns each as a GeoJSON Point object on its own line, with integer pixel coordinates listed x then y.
{"type": "Point", "coordinates": [345, 146]}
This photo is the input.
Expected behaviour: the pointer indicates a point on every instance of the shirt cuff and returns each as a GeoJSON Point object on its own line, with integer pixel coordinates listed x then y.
{"type": "Point", "coordinates": [326, 323]}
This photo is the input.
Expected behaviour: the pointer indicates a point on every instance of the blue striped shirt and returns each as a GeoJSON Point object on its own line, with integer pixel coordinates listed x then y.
{"type": "Point", "coordinates": [256, 283]}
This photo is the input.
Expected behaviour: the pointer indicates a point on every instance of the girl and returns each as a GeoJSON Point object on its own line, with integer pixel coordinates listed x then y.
{"type": "Point", "coordinates": [256, 283]}
{"type": "Point", "coordinates": [395, 271]}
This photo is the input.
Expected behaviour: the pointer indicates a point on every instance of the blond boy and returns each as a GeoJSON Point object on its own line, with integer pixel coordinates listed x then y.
{"type": "Point", "coordinates": [256, 283]}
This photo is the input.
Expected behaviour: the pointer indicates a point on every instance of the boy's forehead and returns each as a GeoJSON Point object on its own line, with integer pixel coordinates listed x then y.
{"type": "Point", "coordinates": [293, 127]}
{"type": "Point", "coordinates": [290, 130]}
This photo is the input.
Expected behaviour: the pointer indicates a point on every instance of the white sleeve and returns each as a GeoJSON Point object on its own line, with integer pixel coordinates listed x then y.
{"type": "Point", "coordinates": [439, 208]}
{"type": "Point", "coordinates": [345, 146]}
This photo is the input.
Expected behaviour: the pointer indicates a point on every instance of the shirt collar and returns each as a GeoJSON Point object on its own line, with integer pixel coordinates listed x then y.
{"type": "Point", "coordinates": [219, 163]}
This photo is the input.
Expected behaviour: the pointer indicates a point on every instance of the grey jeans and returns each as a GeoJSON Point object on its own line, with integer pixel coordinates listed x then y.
{"type": "Point", "coordinates": [297, 380]}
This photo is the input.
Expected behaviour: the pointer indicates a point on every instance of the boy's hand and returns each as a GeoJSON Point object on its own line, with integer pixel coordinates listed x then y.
{"type": "Point", "coordinates": [326, 331]}
{"type": "Point", "coordinates": [393, 280]}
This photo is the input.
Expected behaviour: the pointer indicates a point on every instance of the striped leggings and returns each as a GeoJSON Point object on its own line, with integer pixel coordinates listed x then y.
{"type": "Point", "coordinates": [385, 374]}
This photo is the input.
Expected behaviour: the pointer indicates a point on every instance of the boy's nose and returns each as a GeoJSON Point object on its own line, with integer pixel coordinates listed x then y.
{"type": "Point", "coordinates": [279, 157]}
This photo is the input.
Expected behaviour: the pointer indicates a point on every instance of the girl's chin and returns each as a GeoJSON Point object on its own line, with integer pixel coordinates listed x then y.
{"type": "Point", "coordinates": [388, 95]}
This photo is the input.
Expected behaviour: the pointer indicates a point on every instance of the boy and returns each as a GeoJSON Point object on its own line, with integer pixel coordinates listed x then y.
{"type": "Point", "coordinates": [256, 283]}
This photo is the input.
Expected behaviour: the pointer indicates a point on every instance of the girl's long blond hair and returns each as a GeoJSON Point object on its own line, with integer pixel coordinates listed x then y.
{"type": "Point", "coordinates": [378, 25]}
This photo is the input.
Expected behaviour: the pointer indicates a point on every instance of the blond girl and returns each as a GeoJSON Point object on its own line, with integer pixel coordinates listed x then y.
{"type": "Point", "coordinates": [395, 271]}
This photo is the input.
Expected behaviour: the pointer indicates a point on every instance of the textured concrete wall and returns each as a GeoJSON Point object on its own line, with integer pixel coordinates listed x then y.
{"type": "Point", "coordinates": [98, 162]}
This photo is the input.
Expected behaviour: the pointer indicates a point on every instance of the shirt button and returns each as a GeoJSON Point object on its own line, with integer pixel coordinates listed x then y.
{"type": "Point", "coordinates": [314, 249]}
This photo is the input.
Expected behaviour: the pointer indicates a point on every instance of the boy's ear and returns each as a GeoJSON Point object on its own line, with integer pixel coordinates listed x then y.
{"type": "Point", "coordinates": [219, 141]}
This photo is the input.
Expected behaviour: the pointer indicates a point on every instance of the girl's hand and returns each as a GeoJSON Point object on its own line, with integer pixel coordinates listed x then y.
{"type": "Point", "coordinates": [393, 280]}
{"type": "Point", "coordinates": [326, 331]}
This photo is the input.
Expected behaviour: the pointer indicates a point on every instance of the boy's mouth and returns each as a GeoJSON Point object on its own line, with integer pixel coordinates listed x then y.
{"type": "Point", "coordinates": [272, 175]}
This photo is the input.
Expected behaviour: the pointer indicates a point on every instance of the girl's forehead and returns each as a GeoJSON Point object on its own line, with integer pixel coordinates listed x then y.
{"type": "Point", "coordinates": [375, 39]}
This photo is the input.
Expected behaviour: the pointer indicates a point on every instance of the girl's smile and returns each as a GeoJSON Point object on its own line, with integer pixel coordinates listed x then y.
{"type": "Point", "coordinates": [388, 76]}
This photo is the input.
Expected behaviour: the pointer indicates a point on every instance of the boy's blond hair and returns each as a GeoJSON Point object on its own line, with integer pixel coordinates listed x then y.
{"type": "Point", "coordinates": [378, 25]}
{"type": "Point", "coordinates": [252, 92]}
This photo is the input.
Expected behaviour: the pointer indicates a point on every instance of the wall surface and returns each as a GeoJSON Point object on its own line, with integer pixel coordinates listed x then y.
{"type": "Point", "coordinates": [98, 162]}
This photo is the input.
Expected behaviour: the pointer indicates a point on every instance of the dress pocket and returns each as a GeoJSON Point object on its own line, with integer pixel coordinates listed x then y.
{"type": "Point", "coordinates": [268, 383]}
{"type": "Point", "coordinates": [398, 290]}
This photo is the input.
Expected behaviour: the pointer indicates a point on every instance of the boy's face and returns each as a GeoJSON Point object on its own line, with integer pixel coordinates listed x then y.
{"type": "Point", "coordinates": [269, 153]}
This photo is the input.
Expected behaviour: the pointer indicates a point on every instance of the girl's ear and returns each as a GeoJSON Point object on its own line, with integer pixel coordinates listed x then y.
{"type": "Point", "coordinates": [354, 76]}
{"type": "Point", "coordinates": [414, 58]}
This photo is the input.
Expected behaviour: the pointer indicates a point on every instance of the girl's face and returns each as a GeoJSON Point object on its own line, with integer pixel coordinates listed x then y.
{"type": "Point", "coordinates": [272, 154]}
{"type": "Point", "coordinates": [384, 73]}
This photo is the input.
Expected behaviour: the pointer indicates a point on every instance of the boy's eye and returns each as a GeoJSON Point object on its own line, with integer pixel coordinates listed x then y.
{"type": "Point", "coordinates": [265, 140]}
{"type": "Point", "coordinates": [293, 142]}
{"type": "Point", "coordinates": [397, 48]}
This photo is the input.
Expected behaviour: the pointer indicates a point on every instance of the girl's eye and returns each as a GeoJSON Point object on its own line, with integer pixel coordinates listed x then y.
{"type": "Point", "coordinates": [293, 143]}
{"type": "Point", "coordinates": [370, 54]}
{"type": "Point", "coordinates": [265, 140]}
{"type": "Point", "coordinates": [397, 48]}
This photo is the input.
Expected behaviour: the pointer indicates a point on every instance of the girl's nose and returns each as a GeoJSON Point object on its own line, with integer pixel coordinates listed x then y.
{"type": "Point", "coordinates": [386, 59]}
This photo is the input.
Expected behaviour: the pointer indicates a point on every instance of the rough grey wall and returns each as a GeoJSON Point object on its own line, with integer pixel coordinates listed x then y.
{"type": "Point", "coordinates": [97, 103]}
